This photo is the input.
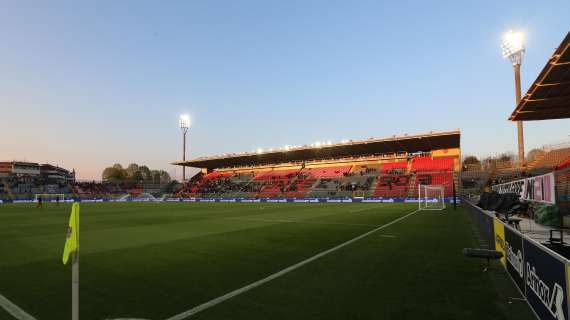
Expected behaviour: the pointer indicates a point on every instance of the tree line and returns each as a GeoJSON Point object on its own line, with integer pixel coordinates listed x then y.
{"type": "Point", "coordinates": [503, 157]}
{"type": "Point", "coordinates": [135, 173]}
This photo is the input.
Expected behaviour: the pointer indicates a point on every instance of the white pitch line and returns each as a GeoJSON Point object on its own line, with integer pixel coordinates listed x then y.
{"type": "Point", "coordinates": [306, 222]}
{"type": "Point", "coordinates": [188, 313]}
{"type": "Point", "coordinates": [14, 310]}
{"type": "Point", "coordinates": [387, 235]}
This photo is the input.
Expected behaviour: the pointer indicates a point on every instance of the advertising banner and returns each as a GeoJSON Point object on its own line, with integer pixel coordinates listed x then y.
{"type": "Point", "coordinates": [535, 189]}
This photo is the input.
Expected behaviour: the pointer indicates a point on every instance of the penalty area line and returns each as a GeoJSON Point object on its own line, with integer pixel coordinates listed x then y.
{"type": "Point", "coordinates": [188, 313]}
{"type": "Point", "coordinates": [14, 310]}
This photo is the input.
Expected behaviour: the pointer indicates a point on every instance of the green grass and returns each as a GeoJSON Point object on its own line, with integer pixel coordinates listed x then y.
{"type": "Point", "coordinates": [155, 260]}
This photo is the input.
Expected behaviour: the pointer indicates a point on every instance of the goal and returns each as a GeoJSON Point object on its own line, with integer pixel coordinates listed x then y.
{"type": "Point", "coordinates": [50, 197]}
{"type": "Point", "coordinates": [430, 197]}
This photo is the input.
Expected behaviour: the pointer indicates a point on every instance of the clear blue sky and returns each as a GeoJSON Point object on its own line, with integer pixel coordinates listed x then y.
{"type": "Point", "coordinates": [87, 84]}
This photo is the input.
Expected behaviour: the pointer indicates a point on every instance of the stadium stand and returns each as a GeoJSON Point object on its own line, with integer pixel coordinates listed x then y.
{"type": "Point", "coordinates": [564, 164]}
{"type": "Point", "coordinates": [474, 178]}
{"type": "Point", "coordinates": [548, 161]}
{"type": "Point", "coordinates": [392, 185]}
{"type": "Point", "coordinates": [368, 168]}
{"type": "Point", "coordinates": [23, 180]}
{"type": "Point", "coordinates": [386, 179]}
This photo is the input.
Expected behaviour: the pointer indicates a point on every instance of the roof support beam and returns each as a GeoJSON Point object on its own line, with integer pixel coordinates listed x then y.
{"type": "Point", "coordinates": [554, 84]}
{"type": "Point", "coordinates": [553, 99]}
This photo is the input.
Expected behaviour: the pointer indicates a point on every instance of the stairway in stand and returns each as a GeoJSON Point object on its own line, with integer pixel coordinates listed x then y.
{"type": "Point", "coordinates": [531, 165]}
{"type": "Point", "coordinates": [412, 187]}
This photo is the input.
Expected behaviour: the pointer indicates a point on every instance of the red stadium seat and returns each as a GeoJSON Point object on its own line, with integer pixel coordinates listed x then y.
{"type": "Point", "coordinates": [327, 172]}
{"type": "Point", "coordinates": [420, 164]}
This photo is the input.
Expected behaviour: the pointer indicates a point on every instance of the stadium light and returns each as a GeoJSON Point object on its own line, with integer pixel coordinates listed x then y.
{"type": "Point", "coordinates": [184, 123]}
{"type": "Point", "coordinates": [513, 46]}
{"type": "Point", "coordinates": [514, 49]}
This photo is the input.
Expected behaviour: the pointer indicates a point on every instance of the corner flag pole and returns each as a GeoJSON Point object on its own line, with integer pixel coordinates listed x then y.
{"type": "Point", "coordinates": [71, 250]}
{"type": "Point", "coordinates": [75, 287]}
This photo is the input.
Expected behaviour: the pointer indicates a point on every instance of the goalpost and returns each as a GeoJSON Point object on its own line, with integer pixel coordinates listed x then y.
{"type": "Point", "coordinates": [48, 197]}
{"type": "Point", "coordinates": [431, 197]}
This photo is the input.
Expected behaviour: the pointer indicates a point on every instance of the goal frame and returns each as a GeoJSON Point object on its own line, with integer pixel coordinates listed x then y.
{"type": "Point", "coordinates": [425, 199]}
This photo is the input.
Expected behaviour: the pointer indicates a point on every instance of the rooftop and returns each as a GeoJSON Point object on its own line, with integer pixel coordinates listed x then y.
{"type": "Point", "coordinates": [328, 150]}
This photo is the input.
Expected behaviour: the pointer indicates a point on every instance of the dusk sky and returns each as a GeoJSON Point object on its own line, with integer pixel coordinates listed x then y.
{"type": "Point", "coordinates": [89, 84]}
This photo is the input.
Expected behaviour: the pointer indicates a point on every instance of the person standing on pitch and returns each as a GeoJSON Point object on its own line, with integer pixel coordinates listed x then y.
{"type": "Point", "coordinates": [40, 204]}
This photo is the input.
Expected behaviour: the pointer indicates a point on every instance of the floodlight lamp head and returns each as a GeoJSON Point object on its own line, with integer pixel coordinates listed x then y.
{"type": "Point", "coordinates": [513, 46]}
{"type": "Point", "coordinates": [184, 122]}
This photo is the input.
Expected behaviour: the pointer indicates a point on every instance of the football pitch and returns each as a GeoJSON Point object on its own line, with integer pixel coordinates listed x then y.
{"type": "Point", "coordinates": [251, 261]}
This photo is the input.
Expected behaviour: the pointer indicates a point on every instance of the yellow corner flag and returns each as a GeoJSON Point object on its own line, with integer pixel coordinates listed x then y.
{"type": "Point", "coordinates": [72, 238]}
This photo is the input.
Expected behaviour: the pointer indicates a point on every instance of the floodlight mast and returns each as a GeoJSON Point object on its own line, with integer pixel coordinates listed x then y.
{"type": "Point", "coordinates": [184, 123]}
{"type": "Point", "coordinates": [514, 49]}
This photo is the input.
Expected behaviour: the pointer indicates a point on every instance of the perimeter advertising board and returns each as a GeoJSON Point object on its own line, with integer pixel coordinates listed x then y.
{"type": "Point", "coordinates": [540, 274]}
{"type": "Point", "coordinates": [510, 243]}
{"type": "Point", "coordinates": [546, 285]}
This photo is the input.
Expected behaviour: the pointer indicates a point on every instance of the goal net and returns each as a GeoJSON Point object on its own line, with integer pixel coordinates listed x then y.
{"type": "Point", "coordinates": [49, 197]}
{"type": "Point", "coordinates": [430, 197]}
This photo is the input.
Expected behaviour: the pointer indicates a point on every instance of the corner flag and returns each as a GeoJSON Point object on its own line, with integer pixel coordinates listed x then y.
{"type": "Point", "coordinates": [72, 239]}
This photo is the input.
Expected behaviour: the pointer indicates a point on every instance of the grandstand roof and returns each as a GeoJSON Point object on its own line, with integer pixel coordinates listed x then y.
{"type": "Point", "coordinates": [549, 95]}
{"type": "Point", "coordinates": [394, 144]}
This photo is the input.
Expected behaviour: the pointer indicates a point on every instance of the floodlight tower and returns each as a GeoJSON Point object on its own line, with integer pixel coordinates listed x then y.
{"type": "Point", "coordinates": [513, 49]}
{"type": "Point", "coordinates": [184, 126]}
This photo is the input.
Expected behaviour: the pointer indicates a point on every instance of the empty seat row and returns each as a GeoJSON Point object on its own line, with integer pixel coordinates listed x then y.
{"type": "Point", "coordinates": [432, 164]}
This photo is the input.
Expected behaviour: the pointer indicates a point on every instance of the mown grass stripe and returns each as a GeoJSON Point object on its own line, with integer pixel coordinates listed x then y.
{"type": "Point", "coordinates": [188, 313]}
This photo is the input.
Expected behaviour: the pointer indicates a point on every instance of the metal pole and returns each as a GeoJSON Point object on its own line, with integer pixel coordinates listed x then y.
{"type": "Point", "coordinates": [454, 196]}
{"type": "Point", "coordinates": [75, 286]}
{"type": "Point", "coordinates": [520, 132]}
{"type": "Point", "coordinates": [183, 155]}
